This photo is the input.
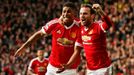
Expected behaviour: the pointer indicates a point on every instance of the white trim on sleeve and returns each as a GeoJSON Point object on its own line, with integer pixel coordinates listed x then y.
{"type": "Point", "coordinates": [102, 28]}
{"type": "Point", "coordinates": [30, 64]}
{"type": "Point", "coordinates": [78, 44]}
{"type": "Point", "coordinates": [42, 30]}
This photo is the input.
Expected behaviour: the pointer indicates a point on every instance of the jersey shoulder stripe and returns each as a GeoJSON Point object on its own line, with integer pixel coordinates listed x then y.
{"type": "Point", "coordinates": [77, 23]}
{"type": "Point", "coordinates": [56, 20]}
{"type": "Point", "coordinates": [51, 23]}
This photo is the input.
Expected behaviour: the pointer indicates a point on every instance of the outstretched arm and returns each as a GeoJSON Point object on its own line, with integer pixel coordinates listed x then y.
{"type": "Point", "coordinates": [31, 40]}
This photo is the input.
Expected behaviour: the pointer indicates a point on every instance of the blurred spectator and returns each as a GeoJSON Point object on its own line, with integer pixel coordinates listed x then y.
{"type": "Point", "coordinates": [38, 65]}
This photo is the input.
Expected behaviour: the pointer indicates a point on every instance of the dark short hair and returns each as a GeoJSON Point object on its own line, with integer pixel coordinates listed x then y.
{"type": "Point", "coordinates": [88, 6]}
{"type": "Point", "coordinates": [70, 4]}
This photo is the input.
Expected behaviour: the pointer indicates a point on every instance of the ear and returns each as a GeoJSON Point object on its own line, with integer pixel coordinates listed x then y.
{"type": "Point", "coordinates": [93, 16]}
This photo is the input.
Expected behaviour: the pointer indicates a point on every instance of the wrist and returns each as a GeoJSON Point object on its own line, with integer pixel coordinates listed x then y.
{"type": "Point", "coordinates": [102, 13]}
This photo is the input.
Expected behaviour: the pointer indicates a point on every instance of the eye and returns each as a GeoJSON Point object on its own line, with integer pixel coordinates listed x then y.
{"type": "Point", "coordinates": [63, 11]}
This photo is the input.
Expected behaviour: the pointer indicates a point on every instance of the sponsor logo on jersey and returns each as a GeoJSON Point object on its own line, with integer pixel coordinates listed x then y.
{"type": "Point", "coordinates": [86, 38]}
{"type": "Point", "coordinates": [65, 42]}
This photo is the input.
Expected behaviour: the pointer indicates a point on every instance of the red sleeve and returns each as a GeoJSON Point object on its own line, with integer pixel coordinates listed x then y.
{"type": "Point", "coordinates": [49, 26]}
{"type": "Point", "coordinates": [79, 40]}
{"type": "Point", "coordinates": [107, 23]}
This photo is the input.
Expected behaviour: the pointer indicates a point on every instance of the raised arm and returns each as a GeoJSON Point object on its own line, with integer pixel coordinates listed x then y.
{"type": "Point", "coordinates": [98, 9]}
{"type": "Point", "coordinates": [30, 41]}
{"type": "Point", "coordinates": [103, 15]}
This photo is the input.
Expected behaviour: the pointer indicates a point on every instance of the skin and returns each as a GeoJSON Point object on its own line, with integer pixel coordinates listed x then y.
{"type": "Point", "coordinates": [40, 54]}
{"type": "Point", "coordinates": [85, 16]}
{"type": "Point", "coordinates": [67, 16]}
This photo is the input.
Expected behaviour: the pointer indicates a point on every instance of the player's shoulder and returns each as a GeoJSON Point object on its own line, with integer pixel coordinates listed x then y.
{"type": "Point", "coordinates": [46, 59]}
{"type": "Point", "coordinates": [34, 59]}
{"type": "Point", "coordinates": [98, 22]}
{"type": "Point", "coordinates": [77, 23]}
{"type": "Point", "coordinates": [54, 21]}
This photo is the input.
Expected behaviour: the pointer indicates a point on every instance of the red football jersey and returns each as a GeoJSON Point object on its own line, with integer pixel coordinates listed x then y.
{"type": "Point", "coordinates": [63, 41]}
{"type": "Point", "coordinates": [94, 43]}
{"type": "Point", "coordinates": [38, 67]}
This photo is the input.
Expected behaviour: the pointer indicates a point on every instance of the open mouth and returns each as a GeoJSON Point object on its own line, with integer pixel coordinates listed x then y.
{"type": "Point", "coordinates": [83, 20]}
{"type": "Point", "coordinates": [66, 16]}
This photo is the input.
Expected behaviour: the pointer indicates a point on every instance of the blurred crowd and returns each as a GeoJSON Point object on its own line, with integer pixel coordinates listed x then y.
{"type": "Point", "coordinates": [19, 19]}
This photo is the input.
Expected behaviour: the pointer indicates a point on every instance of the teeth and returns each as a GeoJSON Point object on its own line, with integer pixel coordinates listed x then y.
{"type": "Point", "coordinates": [83, 20]}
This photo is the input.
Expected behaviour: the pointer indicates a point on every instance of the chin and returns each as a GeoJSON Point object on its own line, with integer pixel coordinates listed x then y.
{"type": "Point", "coordinates": [66, 21]}
{"type": "Point", "coordinates": [83, 24]}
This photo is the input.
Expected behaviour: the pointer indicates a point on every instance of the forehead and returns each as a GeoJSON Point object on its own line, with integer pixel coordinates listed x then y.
{"type": "Point", "coordinates": [85, 9]}
{"type": "Point", "coordinates": [67, 8]}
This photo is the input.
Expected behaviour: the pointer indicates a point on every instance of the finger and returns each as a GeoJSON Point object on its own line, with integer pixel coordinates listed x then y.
{"type": "Point", "coordinates": [15, 54]}
{"type": "Point", "coordinates": [62, 66]}
{"type": "Point", "coordinates": [95, 6]}
{"type": "Point", "coordinates": [60, 70]}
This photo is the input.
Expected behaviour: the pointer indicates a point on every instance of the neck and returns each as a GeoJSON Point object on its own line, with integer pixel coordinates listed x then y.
{"type": "Point", "coordinates": [88, 24]}
{"type": "Point", "coordinates": [40, 58]}
{"type": "Point", "coordinates": [69, 23]}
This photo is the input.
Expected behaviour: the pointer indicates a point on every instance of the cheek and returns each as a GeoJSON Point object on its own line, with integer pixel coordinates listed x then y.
{"type": "Point", "coordinates": [70, 14]}
{"type": "Point", "coordinates": [80, 16]}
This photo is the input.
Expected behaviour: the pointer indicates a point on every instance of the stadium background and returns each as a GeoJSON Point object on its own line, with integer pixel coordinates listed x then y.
{"type": "Point", "coordinates": [19, 19]}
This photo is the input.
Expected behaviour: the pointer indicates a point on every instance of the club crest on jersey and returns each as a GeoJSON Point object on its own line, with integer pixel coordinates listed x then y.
{"type": "Point", "coordinates": [58, 32]}
{"type": "Point", "coordinates": [90, 32]}
{"type": "Point", "coordinates": [73, 34]}
{"type": "Point", "coordinates": [45, 64]}
{"type": "Point", "coordinates": [37, 64]}
{"type": "Point", "coordinates": [86, 38]}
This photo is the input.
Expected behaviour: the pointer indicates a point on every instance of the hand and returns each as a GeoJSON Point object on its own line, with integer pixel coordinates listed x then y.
{"type": "Point", "coordinates": [19, 52]}
{"type": "Point", "coordinates": [63, 68]}
{"type": "Point", "coordinates": [97, 7]}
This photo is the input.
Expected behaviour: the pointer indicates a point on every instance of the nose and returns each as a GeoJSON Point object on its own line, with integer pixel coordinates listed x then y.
{"type": "Point", "coordinates": [65, 14]}
{"type": "Point", "coordinates": [81, 16]}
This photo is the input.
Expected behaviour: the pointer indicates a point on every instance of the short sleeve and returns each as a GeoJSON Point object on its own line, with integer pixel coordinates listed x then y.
{"type": "Point", "coordinates": [106, 24]}
{"type": "Point", "coordinates": [79, 39]}
{"type": "Point", "coordinates": [31, 65]}
{"type": "Point", "coordinates": [48, 27]}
